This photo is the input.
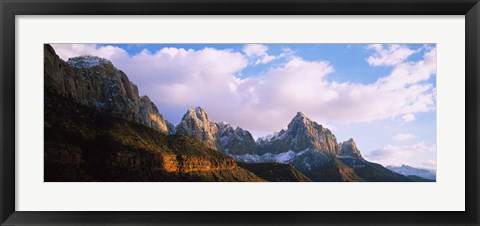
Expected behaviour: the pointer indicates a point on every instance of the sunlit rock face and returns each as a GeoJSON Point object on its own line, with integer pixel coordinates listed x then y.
{"type": "Point", "coordinates": [300, 135]}
{"type": "Point", "coordinates": [195, 123]}
{"type": "Point", "coordinates": [220, 136]}
{"type": "Point", "coordinates": [349, 149]}
{"type": "Point", "coordinates": [95, 82]}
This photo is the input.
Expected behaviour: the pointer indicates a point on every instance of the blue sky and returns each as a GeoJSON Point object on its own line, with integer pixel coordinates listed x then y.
{"type": "Point", "coordinates": [383, 95]}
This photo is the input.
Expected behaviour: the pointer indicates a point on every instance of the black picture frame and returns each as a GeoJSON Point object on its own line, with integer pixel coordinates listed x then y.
{"type": "Point", "coordinates": [10, 8]}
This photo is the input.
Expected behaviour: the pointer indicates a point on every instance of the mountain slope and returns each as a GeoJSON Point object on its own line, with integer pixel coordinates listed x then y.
{"type": "Point", "coordinates": [412, 171]}
{"type": "Point", "coordinates": [275, 172]}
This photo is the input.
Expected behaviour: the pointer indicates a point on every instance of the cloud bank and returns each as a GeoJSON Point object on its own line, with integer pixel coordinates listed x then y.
{"type": "Point", "coordinates": [405, 154]}
{"type": "Point", "coordinates": [184, 78]}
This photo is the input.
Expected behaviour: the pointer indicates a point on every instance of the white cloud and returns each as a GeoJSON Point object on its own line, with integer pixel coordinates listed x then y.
{"type": "Point", "coordinates": [255, 49]}
{"type": "Point", "coordinates": [398, 155]}
{"type": "Point", "coordinates": [258, 53]}
{"type": "Point", "coordinates": [408, 117]}
{"type": "Point", "coordinates": [112, 53]}
{"type": "Point", "coordinates": [403, 136]}
{"type": "Point", "coordinates": [392, 54]}
{"type": "Point", "coordinates": [181, 78]}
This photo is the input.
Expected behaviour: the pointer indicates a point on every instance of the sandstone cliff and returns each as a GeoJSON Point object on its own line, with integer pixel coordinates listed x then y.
{"type": "Point", "coordinates": [96, 83]}
{"type": "Point", "coordinates": [349, 148]}
{"type": "Point", "coordinates": [195, 123]}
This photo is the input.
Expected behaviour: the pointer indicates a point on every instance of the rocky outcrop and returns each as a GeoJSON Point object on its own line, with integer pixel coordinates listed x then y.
{"type": "Point", "coordinates": [195, 123]}
{"type": "Point", "coordinates": [235, 141]}
{"type": "Point", "coordinates": [301, 134]}
{"type": "Point", "coordinates": [188, 163]}
{"type": "Point", "coordinates": [220, 136]}
{"type": "Point", "coordinates": [96, 83]}
{"type": "Point", "coordinates": [349, 149]}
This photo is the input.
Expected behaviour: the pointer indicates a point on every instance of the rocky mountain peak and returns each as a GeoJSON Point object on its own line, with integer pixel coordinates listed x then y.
{"type": "Point", "coordinates": [349, 148]}
{"type": "Point", "coordinates": [299, 119]}
{"type": "Point", "coordinates": [94, 82]}
{"type": "Point", "coordinates": [302, 133]}
{"type": "Point", "coordinates": [235, 141]}
{"type": "Point", "coordinates": [197, 113]}
{"type": "Point", "coordinates": [195, 123]}
{"type": "Point", "coordinates": [300, 114]}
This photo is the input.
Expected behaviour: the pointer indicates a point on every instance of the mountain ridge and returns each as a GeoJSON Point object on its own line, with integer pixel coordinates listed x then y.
{"type": "Point", "coordinates": [413, 171]}
{"type": "Point", "coordinates": [102, 109]}
{"type": "Point", "coordinates": [309, 147]}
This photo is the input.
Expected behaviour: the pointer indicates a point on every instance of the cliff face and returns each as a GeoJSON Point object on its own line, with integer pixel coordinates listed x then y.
{"type": "Point", "coordinates": [220, 136]}
{"type": "Point", "coordinates": [235, 141]}
{"type": "Point", "coordinates": [195, 123]}
{"type": "Point", "coordinates": [82, 144]}
{"type": "Point", "coordinates": [349, 149]}
{"type": "Point", "coordinates": [96, 83]}
{"type": "Point", "coordinates": [301, 134]}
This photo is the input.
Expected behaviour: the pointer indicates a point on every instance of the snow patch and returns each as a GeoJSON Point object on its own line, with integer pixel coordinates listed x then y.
{"type": "Point", "coordinates": [87, 61]}
{"type": "Point", "coordinates": [284, 157]}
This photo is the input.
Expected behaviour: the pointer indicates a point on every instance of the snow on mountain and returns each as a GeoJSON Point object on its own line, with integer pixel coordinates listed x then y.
{"type": "Point", "coordinates": [284, 157]}
{"type": "Point", "coordinates": [309, 147]}
{"type": "Point", "coordinates": [301, 133]}
{"type": "Point", "coordinates": [234, 141]}
{"type": "Point", "coordinates": [87, 61]}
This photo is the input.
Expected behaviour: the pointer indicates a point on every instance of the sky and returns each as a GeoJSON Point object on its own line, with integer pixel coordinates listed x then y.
{"type": "Point", "coordinates": [381, 95]}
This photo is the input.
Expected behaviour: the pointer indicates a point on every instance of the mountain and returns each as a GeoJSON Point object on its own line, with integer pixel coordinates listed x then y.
{"type": "Point", "coordinates": [96, 83]}
{"type": "Point", "coordinates": [349, 149]}
{"type": "Point", "coordinates": [172, 129]}
{"type": "Point", "coordinates": [234, 141]}
{"type": "Point", "coordinates": [313, 150]}
{"type": "Point", "coordinates": [97, 128]}
{"type": "Point", "coordinates": [216, 135]}
{"type": "Point", "coordinates": [195, 123]}
{"type": "Point", "coordinates": [412, 171]}
{"type": "Point", "coordinates": [301, 134]}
